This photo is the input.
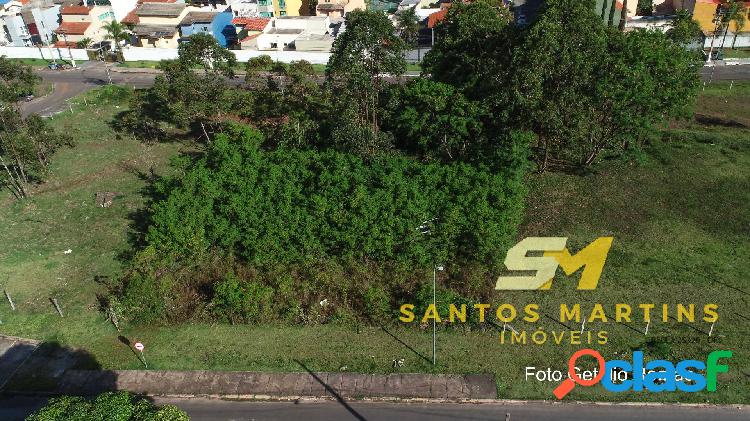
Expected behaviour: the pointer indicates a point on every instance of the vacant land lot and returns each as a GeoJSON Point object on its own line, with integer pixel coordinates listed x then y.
{"type": "Point", "coordinates": [678, 211]}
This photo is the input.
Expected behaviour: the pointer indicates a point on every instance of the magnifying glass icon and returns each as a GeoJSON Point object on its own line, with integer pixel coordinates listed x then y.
{"type": "Point", "coordinates": [568, 384]}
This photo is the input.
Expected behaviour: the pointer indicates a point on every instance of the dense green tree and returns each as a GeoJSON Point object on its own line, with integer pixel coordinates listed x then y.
{"type": "Point", "coordinates": [188, 98]}
{"type": "Point", "coordinates": [433, 120]}
{"type": "Point", "coordinates": [16, 80]}
{"type": "Point", "coordinates": [26, 145]}
{"type": "Point", "coordinates": [684, 29]}
{"type": "Point", "coordinates": [203, 50]}
{"type": "Point", "coordinates": [645, 8]}
{"type": "Point", "coordinates": [407, 24]}
{"type": "Point", "coordinates": [474, 48]}
{"type": "Point", "coordinates": [584, 88]}
{"type": "Point", "coordinates": [368, 50]}
{"type": "Point", "coordinates": [737, 13]}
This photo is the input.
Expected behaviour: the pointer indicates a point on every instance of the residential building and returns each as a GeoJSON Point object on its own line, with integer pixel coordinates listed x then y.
{"type": "Point", "coordinates": [12, 27]}
{"type": "Point", "coordinates": [312, 32]}
{"type": "Point", "coordinates": [248, 30]}
{"type": "Point", "coordinates": [41, 18]}
{"type": "Point", "coordinates": [704, 12]}
{"type": "Point", "coordinates": [277, 8]}
{"type": "Point", "coordinates": [338, 8]}
{"type": "Point", "coordinates": [15, 31]}
{"type": "Point", "coordinates": [121, 8]}
{"type": "Point", "coordinates": [247, 26]}
{"type": "Point", "coordinates": [244, 8]}
{"type": "Point", "coordinates": [155, 25]}
{"type": "Point", "coordinates": [83, 22]}
{"type": "Point", "coordinates": [217, 24]}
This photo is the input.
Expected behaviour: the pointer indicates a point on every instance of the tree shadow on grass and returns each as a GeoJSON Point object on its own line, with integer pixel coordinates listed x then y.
{"type": "Point", "coordinates": [399, 340]}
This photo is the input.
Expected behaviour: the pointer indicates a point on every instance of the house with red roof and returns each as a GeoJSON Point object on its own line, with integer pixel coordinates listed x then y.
{"type": "Point", "coordinates": [247, 27]}
{"type": "Point", "coordinates": [81, 22]}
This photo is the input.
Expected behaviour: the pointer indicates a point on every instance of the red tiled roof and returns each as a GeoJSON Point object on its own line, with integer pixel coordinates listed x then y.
{"type": "Point", "coordinates": [436, 18]}
{"type": "Point", "coordinates": [131, 18]}
{"type": "Point", "coordinates": [72, 28]}
{"type": "Point", "coordinates": [251, 24]}
{"type": "Point", "coordinates": [75, 10]}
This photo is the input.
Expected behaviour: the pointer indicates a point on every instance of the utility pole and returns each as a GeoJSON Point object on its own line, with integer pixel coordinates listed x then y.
{"type": "Point", "coordinates": [717, 20]}
{"type": "Point", "coordinates": [434, 305]}
{"type": "Point", "coordinates": [49, 47]}
{"type": "Point", "coordinates": [72, 61]}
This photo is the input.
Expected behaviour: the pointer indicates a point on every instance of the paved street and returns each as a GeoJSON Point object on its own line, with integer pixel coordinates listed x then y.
{"type": "Point", "coordinates": [16, 408]}
{"type": "Point", "coordinates": [69, 83]}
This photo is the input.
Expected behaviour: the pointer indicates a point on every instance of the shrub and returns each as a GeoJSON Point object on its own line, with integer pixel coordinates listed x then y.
{"type": "Point", "coordinates": [377, 303]}
{"type": "Point", "coordinates": [249, 301]}
{"type": "Point", "coordinates": [289, 206]}
{"type": "Point", "coordinates": [107, 406]}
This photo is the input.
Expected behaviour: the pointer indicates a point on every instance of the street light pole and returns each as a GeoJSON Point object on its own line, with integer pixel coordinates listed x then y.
{"type": "Point", "coordinates": [434, 305]}
{"type": "Point", "coordinates": [435, 269]}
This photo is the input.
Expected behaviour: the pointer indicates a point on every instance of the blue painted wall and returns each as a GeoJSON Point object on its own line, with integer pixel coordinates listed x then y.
{"type": "Point", "coordinates": [220, 28]}
{"type": "Point", "coordinates": [223, 30]}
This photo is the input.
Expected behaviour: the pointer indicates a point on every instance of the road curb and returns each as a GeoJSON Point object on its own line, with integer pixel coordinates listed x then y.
{"type": "Point", "coordinates": [257, 385]}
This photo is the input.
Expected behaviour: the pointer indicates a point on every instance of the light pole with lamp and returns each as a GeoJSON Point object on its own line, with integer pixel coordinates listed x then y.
{"type": "Point", "coordinates": [424, 229]}
{"type": "Point", "coordinates": [434, 304]}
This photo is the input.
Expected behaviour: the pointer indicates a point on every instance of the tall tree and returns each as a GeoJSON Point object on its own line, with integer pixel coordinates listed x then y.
{"type": "Point", "coordinates": [16, 80]}
{"type": "Point", "coordinates": [584, 88]}
{"type": "Point", "coordinates": [645, 8]}
{"type": "Point", "coordinates": [474, 48]}
{"type": "Point", "coordinates": [203, 50]}
{"type": "Point", "coordinates": [684, 29]}
{"type": "Point", "coordinates": [407, 24]}
{"type": "Point", "coordinates": [361, 57]}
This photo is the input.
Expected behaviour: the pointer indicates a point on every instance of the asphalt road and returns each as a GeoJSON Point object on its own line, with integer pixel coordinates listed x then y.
{"type": "Point", "coordinates": [69, 83]}
{"type": "Point", "coordinates": [16, 408]}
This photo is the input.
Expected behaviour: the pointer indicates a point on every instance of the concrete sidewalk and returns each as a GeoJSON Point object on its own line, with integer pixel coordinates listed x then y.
{"type": "Point", "coordinates": [259, 385]}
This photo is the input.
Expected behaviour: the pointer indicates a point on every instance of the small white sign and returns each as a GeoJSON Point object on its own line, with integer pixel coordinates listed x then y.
{"type": "Point", "coordinates": [139, 346]}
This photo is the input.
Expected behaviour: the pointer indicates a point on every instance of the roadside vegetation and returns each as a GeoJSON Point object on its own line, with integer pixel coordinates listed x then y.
{"type": "Point", "coordinates": [258, 227]}
{"type": "Point", "coordinates": [119, 406]}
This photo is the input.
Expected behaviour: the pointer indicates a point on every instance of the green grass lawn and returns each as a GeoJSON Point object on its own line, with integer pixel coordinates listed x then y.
{"type": "Point", "coordinates": [678, 211]}
{"type": "Point", "coordinates": [737, 53]}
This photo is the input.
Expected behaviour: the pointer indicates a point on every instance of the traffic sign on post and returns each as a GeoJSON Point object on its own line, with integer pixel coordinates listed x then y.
{"type": "Point", "coordinates": [139, 346]}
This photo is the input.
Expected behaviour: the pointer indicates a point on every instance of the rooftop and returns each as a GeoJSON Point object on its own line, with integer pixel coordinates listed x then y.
{"type": "Point", "coordinates": [72, 28]}
{"type": "Point", "coordinates": [302, 18]}
{"type": "Point", "coordinates": [280, 31]}
{"type": "Point", "coordinates": [154, 31]}
{"type": "Point", "coordinates": [75, 10]}
{"type": "Point", "coordinates": [166, 10]}
{"type": "Point", "coordinates": [201, 17]}
{"type": "Point", "coordinates": [252, 24]}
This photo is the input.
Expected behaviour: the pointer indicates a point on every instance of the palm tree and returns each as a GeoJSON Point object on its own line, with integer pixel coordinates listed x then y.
{"type": "Point", "coordinates": [84, 43]}
{"type": "Point", "coordinates": [117, 33]}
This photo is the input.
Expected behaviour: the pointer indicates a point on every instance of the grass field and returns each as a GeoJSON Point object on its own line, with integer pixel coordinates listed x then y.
{"type": "Point", "coordinates": [737, 53]}
{"type": "Point", "coordinates": [678, 211]}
